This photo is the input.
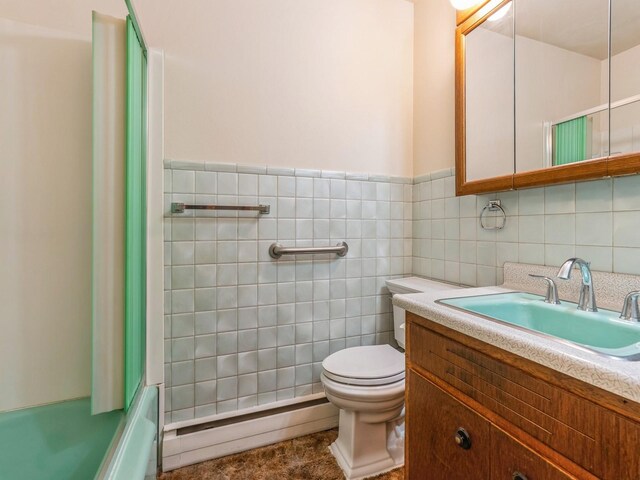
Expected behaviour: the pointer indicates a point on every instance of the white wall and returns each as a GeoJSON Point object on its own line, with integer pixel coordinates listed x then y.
{"type": "Point", "coordinates": [434, 87]}
{"type": "Point", "coordinates": [296, 83]}
{"type": "Point", "coordinates": [45, 190]}
{"type": "Point", "coordinates": [73, 16]}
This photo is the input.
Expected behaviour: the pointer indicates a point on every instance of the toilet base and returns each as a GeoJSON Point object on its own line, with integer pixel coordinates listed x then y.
{"type": "Point", "coordinates": [366, 449]}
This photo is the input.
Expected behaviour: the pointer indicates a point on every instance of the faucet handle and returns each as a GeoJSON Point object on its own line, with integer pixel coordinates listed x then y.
{"type": "Point", "coordinates": [630, 307]}
{"type": "Point", "coordinates": [552, 289]}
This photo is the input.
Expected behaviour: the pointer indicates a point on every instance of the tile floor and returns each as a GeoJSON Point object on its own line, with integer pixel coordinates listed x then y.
{"type": "Point", "coordinates": [304, 458]}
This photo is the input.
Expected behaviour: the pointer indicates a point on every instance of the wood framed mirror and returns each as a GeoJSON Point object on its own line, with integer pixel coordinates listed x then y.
{"type": "Point", "coordinates": [547, 92]}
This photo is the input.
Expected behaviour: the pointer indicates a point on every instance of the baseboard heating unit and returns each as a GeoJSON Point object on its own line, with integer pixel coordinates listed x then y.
{"type": "Point", "coordinates": [186, 443]}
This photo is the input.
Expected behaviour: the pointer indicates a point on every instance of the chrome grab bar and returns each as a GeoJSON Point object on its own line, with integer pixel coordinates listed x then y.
{"type": "Point", "coordinates": [276, 250]}
{"type": "Point", "coordinates": [181, 207]}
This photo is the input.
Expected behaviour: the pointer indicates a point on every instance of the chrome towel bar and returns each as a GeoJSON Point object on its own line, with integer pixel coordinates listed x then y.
{"type": "Point", "coordinates": [181, 207]}
{"type": "Point", "coordinates": [276, 250]}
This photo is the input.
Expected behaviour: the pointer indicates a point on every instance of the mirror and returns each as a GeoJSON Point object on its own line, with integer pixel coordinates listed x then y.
{"type": "Point", "coordinates": [562, 82]}
{"type": "Point", "coordinates": [489, 70]}
{"type": "Point", "coordinates": [625, 77]}
{"type": "Point", "coordinates": [547, 92]}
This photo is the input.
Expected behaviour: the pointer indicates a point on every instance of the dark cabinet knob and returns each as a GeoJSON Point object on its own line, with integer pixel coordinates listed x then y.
{"type": "Point", "coordinates": [519, 476]}
{"type": "Point", "coordinates": [462, 438]}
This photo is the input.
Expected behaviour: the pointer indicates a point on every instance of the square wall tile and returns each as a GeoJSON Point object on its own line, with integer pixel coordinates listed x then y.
{"type": "Point", "coordinates": [531, 201]}
{"type": "Point", "coordinates": [594, 196]}
{"type": "Point", "coordinates": [601, 258]}
{"type": "Point", "coordinates": [560, 229]}
{"type": "Point", "coordinates": [626, 193]}
{"type": "Point", "coordinates": [267, 186]}
{"type": "Point", "coordinates": [626, 260]}
{"type": "Point", "coordinates": [626, 231]}
{"type": "Point", "coordinates": [286, 186]}
{"type": "Point", "coordinates": [595, 229]}
{"type": "Point", "coordinates": [556, 255]}
{"type": "Point", "coordinates": [205, 369]}
{"type": "Point", "coordinates": [182, 253]}
{"type": "Point", "coordinates": [532, 253]}
{"type": "Point", "coordinates": [486, 253]}
{"type": "Point", "coordinates": [531, 229]}
{"type": "Point", "coordinates": [182, 397]}
{"type": "Point", "coordinates": [206, 183]}
{"type": "Point", "coordinates": [183, 181]}
{"type": "Point", "coordinates": [560, 199]}
{"type": "Point", "coordinates": [248, 184]}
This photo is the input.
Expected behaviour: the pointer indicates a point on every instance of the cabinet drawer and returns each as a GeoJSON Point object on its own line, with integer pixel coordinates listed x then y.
{"type": "Point", "coordinates": [571, 425]}
{"type": "Point", "coordinates": [434, 418]}
{"type": "Point", "coordinates": [512, 460]}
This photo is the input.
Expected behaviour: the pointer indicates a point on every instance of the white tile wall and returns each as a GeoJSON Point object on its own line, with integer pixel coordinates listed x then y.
{"type": "Point", "coordinates": [244, 329]}
{"type": "Point", "coordinates": [598, 221]}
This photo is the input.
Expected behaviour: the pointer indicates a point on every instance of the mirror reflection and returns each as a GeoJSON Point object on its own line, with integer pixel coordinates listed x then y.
{"type": "Point", "coordinates": [625, 77]}
{"type": "Point", "coordinates": [562, 82]}
{"type": "Point", "coordinates": [489, 74]}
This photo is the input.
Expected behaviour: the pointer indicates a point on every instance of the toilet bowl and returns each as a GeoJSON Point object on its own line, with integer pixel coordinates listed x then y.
{"type": "Point", "coordinates": [367, 385]}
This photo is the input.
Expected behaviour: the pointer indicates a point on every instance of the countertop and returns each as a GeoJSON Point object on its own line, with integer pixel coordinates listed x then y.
{"type": "Point", "coordinates": [617, 376]}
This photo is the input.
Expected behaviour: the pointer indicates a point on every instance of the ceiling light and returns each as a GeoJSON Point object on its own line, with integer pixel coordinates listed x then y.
{"type": "Point", "coordinates": [464, 4]}
{"type": "Point", "coordinates": [500, 13]}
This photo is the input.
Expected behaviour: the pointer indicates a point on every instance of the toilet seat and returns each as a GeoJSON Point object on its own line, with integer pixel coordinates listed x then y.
{"type": "Point", "coordinates": [373, 365]}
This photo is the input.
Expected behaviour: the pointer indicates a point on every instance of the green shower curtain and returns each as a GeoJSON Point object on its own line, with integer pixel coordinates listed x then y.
{"type": "Point", "coordinates": [135, 215]}
{"type": "Point", "coordinates": [570, 141]}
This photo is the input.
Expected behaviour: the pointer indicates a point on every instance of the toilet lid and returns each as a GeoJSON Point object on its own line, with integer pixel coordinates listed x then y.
{"type": "Point", "coordinates": [368, 365]}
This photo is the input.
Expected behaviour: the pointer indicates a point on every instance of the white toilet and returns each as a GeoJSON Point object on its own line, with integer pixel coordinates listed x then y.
{"type": "Point", "coordinates": [367, 385]}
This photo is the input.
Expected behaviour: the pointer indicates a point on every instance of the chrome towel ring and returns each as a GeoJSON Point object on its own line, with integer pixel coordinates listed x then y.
{"type": "Point", "coordinates": [493, 206]}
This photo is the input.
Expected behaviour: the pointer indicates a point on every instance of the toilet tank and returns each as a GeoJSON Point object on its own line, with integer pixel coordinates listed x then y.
{"type": "Point", "coordinates": [406, 285]}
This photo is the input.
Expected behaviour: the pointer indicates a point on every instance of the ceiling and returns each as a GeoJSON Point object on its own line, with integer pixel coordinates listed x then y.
{"type": "Point", "coordinates": [580, 26]}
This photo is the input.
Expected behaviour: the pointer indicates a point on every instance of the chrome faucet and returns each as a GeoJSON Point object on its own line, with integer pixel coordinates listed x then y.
{"type": "Point", "coordinates": [630, 308]}
{"type": "Point", "coordinates": [587, 293]}
{"type": "Point", "coordinates": [552, 289]}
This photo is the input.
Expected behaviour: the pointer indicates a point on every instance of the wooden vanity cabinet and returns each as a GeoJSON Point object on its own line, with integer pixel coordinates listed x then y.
{"type": "Point", "coordinates": [513, 460]}
{"type": "Point", "coordinates": [440, 425]}
{"type": "Point", "coordinates": [478, 412]}
{"type": "Point", "coordinates": [435, 418]}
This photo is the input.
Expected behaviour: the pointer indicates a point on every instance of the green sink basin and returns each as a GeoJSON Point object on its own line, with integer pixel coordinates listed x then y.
{"type": "Point", "coordinates": [600, 332]}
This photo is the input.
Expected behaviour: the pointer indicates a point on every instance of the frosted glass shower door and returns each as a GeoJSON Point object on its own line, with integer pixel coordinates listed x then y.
{"type": "Point", "coordinates": [136, 219]}
{"type": "Point", "coordinates": [119, 217]}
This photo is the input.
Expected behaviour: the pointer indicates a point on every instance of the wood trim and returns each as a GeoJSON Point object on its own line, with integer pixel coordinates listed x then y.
{"type": "Point", "coordinates": [496, 184]}
{"type": "Point", "coordinates": [407, 411]}
{"type": "Point", "coordinates": [620, 405]}
{"type": "Point", "coordinates": [460, 99]}
{"type": "Point", "coordinates": [463, 15]}
{"type": "Point", "coordinates": [574, 172]}
{"type": "Point", "coordinates": [513, 451]}
{"type": "Point", "coordinates": [624, 164]}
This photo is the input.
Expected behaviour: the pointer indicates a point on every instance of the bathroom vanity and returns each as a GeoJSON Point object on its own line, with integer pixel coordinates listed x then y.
{"type": "Point", "coordinates": [476, 411]}
{"type": "Point", "coordinates": [489, 401]}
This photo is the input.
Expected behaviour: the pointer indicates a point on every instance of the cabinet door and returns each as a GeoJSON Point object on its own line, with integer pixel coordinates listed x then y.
{"type": "Point", "coordinates": [513, 461]}
{"type": "Point", "coordinates": [445, 439]}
